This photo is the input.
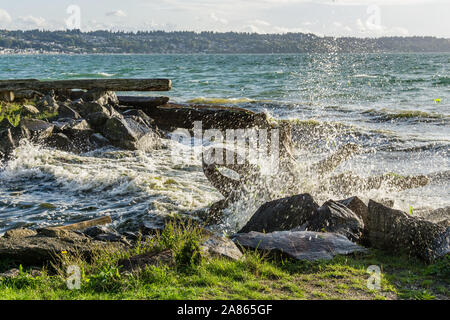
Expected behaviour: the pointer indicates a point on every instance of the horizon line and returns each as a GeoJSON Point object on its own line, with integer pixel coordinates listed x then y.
{"type": "Point", "coordinates": [223, 32]}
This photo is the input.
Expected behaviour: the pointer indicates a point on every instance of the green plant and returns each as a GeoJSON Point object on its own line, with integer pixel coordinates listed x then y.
{"type": "Point", "coordinates": [108, 279]}
{"type": "Point", "coordinates": [189, 255]}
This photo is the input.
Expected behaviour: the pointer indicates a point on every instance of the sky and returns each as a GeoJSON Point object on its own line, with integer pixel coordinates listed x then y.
{"type": "Point", "coordinates": [360, 18]}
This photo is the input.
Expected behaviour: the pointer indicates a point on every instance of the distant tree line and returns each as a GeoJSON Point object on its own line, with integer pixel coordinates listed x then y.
{"type": "Point", "coordinates": [75, 41]}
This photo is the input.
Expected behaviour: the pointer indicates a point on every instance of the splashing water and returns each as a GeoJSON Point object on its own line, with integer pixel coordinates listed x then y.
{"type": "Point", "coordinates": [384, 103]}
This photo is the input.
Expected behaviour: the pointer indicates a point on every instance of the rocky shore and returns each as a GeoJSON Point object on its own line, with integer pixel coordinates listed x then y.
{"type": "Point", "coordinates": [296, 227]}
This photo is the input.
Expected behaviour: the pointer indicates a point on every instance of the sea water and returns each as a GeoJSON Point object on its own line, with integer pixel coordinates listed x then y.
{"type": "Point", "coordinates": [395, 106]}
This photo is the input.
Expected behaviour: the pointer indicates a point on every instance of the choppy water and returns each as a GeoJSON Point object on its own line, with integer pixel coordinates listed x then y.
{"type": "Point", "coordinates": [385, 103]}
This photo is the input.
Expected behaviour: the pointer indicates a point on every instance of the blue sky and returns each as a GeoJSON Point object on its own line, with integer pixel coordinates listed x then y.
{"type": "Point", "coordinates": [324, 17]}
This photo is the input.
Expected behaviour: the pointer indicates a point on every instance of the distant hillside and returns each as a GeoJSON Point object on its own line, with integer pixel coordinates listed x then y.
{"type": "Point", "coordinates": [206, 42]}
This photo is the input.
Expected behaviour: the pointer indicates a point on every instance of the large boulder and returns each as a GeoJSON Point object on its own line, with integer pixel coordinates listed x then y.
{"type": "Point", "coordinates": [47, 245]}
{"type": "Point", "coordinates": [395, 231]}
{"type": "Point", "coordinates": [19, 233]}
{"type": "Point", "coordinates": [221, 247]}
{"type": "Point", "coordinates": [300, 245]}
{"type": "Point", "coordinates": [99, 141]}
{"type": "Point", "coordinates": [31, 129]}
{"type": "Point", "coordinates": [336, 217]}
{"type": "Point", "coordinates": [79, 132]}
{"type": "Point", "coordinates": [36, 129]}
{"type": "Point", "coordinates": [283, 214]}
{"type": "Point", "coordinates": [65, 111]}
{"type": "Point", "coordinates": [7, 143]}
{"type": "Point", "coordinates": [139, 262]}
{"type": "Point", "coordinates": [358, 207]}
{"type": "Point", "coordinates": [128, 133]}
{"type": "Point", "coordinates": [60, 141]}
{"type": "Point", "coordinates": [48, 103]}
{"type": "Point", "coordinates": [101, 97]}
{"type": "Point", "coordinates": [29, 110]}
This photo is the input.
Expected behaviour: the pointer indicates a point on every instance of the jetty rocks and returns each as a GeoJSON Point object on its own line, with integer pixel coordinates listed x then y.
{"type": "Point", "coordinates": [94, 120]}
{"type": "Point", "coordinates": [40, 247]}
{"type": "Point", "coordinates": [79, 121]}
{"type": "Point", "coordinates": [300, 245]}
{"type": "Point", "coordinates": [340, 227]}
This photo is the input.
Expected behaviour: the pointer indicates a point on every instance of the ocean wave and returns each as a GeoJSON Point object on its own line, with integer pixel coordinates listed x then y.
{"type": "Point", "coordinates": [73, 75]}
{"type": "Point", "coordinates": [385, 115]}
{"type": "Point", "coordinates": [441, 81]}
{"type": "Point", "coordinates": [434, 147]}
{"type": "Point", "coordinates": [365, 76]}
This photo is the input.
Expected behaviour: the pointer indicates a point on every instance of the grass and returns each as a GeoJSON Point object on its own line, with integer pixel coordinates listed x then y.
{"type": "Point", "coordinates": [254, 277]}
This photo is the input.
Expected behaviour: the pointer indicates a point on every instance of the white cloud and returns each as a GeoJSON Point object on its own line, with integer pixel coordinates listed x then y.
{"type": "Point", "coordinates": [261, 26]}
{"type": "Point", "coordinates": [217, 19]}
{"type": "Point", "coordinates": [32, 21]}
{"type": "Point", "coordinates": [4, 17]}
{"type": "Point", "coordinates": [116, 13]}
{"type": "Point", "coordinates": [260, 23]}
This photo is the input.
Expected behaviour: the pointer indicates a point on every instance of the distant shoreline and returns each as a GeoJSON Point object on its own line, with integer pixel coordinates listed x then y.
{"type": "Point", "coordinates": [161, 42]}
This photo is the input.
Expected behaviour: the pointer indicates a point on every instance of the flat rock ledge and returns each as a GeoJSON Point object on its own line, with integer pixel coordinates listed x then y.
{"type": "Point", "coordinates": [300, 245]}
{"type": "Point", "coordinates": [43, 247]}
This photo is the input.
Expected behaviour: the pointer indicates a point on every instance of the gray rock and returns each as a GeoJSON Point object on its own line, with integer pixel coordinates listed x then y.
{"type": "Point", "coordinates": [48, 244]}
{"type": "Point", "coordinates": [36, 129]}
{"type": "Point", "coordinates": [102, 97]}
{"type": "Point", "coordinates": [47, 100]}
{"type": "Point", "coordinates": [357, 206]}
{"type": "Point", "coordinates": [283, 214]}
{"type": "Point", "coordinates": [132, 236]}
{"type": "Point", "coordinates": [14, 273]}
{"type": "Point", "coordinates": [96, 230]}
{"type": "Point", "coordinates": [300, 245]}
{"type": "Point", "coordinates": [66, 112]}
{"type": "Point", "coordinates": [63, 124]}
{"type": "Point", "coordinates": [7, 143]}
{"type": "Point", "coordinates": [48, 103]}
{"type": "Point", "coordinates": [79, 133]}
{"type": "Point", "coordinates": [221, 247]}
{"type": "Point", "coordinates": [99, 141]}
{"type": "Point", "coordinates": [29, 110]}
{"type": "Point", "coordinates": [109, 237]}
{"type": "Point", "coordinates": [131, 135]}
{"type": "Point", "coordinates": [395, 231]}
{"type": "Point", "coordinates": [139, 116]}
{"type": "Point", "coordinates": [337, 218]}
{"type": "Point", "coordinates": [60, 141]}
{"type": "Point", "coordinates": [5, 124]}
{"type": "Point", "coordinates": [153, 227]}
{"type": "Point", "coordinates": [88, 108]}
{"type": "Point", "coordinates": [98, 119]}
{"type": "Point", "coordinates": [139, 262]}
{"type": "Point", "coordinates": [19, 233]}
